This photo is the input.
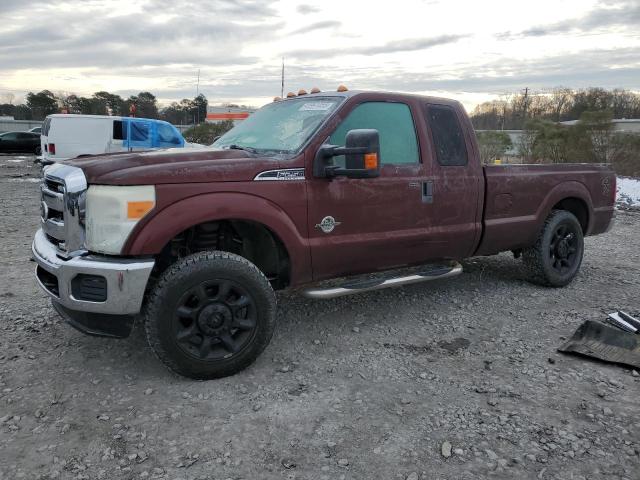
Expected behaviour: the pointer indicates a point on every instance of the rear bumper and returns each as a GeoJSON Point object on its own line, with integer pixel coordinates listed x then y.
{"type": "Point", "coordinates": [93, 283]}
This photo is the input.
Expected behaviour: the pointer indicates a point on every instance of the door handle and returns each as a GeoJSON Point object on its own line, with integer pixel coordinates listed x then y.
{"type": "Point", "coordinates": [427, 191]}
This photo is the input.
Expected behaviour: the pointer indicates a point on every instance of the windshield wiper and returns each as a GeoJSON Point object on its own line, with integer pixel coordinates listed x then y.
{"type": "Point", "coordinates": [240, 147]}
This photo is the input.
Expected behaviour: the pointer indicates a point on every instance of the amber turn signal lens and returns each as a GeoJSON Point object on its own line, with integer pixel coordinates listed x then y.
{"type": "Point", "coordinates": [370, 161]}
{"type": "Point", "coordinates": [137, 210]}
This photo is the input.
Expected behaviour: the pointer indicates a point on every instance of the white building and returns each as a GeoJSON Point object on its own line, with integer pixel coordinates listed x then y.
{"type": "Point", "coordinates": [626, 125]}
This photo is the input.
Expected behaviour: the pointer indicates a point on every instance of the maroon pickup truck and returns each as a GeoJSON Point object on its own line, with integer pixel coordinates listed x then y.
{"type": "Point", "coordinates": [329, 193]}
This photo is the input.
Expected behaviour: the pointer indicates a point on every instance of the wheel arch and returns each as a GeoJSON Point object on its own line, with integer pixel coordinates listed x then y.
{"type": "Point", "coordinates": [578, 207]}
{"type": "Point", "coordinates": [247, 212]}
{"type": "Point", "coordinates": [571, 196]}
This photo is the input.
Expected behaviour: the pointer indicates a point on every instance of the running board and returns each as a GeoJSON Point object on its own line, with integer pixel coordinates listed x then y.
{"type": "Point", "coordinates": [424, 274]}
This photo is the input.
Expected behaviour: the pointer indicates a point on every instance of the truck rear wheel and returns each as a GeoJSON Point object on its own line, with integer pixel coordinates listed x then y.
{"type": "Point", "coordinates": [555, 258]}
{"type": "Point", "coordinates": [210, 315]}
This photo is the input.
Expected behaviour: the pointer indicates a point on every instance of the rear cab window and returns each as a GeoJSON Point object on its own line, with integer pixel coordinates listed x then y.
{"type": "Point", "coordinates": [447, 134]}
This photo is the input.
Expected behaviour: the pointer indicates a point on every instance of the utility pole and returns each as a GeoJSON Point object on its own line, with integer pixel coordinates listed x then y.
{"type": "Point", "coordinates": [198, 94]}
{"type": "Point", "coordinates": [526, 104]}
{"type": "Point", "coordinates": [282, 80]}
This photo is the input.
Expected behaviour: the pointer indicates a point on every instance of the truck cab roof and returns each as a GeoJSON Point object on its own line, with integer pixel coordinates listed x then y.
{"type": "Point", "coordinates": [377, 93]}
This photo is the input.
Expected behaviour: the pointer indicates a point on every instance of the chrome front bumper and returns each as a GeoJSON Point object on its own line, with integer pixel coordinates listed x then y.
{"type": "Point", "coordinates": [126, 279]}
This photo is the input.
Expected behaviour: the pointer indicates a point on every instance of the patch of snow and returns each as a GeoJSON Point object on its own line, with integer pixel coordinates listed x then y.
{"type": "Point", "coordinates": [27, 179]}
{"type": "Point", "coordinates": [628, 192]}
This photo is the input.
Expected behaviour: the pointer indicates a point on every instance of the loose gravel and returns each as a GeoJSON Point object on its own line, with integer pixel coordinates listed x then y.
{"type": "Point", "coordinates": [457, 379]}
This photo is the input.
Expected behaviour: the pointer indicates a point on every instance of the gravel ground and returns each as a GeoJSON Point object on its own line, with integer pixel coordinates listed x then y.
{"type": "Point", "coordinates": [457, 379]}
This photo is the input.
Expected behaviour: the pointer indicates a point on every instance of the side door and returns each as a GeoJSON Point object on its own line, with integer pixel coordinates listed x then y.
{"type": "Point", "coordinates": [451, 217]}
{"type": "Point", "coordinates": [28, 141]}
{"type": "Point", "coordinates": [139, 134]}
{"type": "Point", "coordinates": [361, 225]}
{"type": "Point", "coordinates": [9, 142]}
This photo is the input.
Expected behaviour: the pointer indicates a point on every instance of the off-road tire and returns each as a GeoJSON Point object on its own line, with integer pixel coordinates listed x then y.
{"type": "Point", "coordinates": [189, 272]}
{"type": "Point", "coordinates": [539, 259]}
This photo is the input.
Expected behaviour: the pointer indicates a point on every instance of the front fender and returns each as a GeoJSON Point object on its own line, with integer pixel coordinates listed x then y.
{"type": "Point", "coordinates": [150, 237]}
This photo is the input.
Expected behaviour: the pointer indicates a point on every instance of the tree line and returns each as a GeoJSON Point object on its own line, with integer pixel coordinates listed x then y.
{"type": "Point", "coordinates": [511, 112]}
{"type": "Point", "coordinates": [593, 139]}
{"type": "Point", "coordinates": [544, 139]}
{"type": "Point", "coordinates": [38, 105]}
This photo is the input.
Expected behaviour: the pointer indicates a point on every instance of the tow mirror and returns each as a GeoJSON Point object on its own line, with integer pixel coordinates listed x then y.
{"type": "Point", "coordinates": [361, 152]}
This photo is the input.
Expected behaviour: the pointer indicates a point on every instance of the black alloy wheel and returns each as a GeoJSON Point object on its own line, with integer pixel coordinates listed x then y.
{"type": "Point", "coordinates": [556, 257]}
{"type": "Point", "coordinates": [210, 315]}
{"type": "Point", "coordinates": [563, 248]}
{"type": "Point", "coordinates": [214, 320]}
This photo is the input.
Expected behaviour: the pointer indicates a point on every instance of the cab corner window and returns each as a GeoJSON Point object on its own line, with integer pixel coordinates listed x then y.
{"type": "Point", "coordinates": [448, 138]}
{"type": "Point", "coordinates": [394, 123]}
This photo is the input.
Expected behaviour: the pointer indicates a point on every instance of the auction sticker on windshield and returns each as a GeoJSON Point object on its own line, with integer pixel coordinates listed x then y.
{"type": "Point", "coordinates": [316, 106]}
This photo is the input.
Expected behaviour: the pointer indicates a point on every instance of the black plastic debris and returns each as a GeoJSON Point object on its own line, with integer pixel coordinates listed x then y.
{"type": "Point", "coordinates": [604, 342]}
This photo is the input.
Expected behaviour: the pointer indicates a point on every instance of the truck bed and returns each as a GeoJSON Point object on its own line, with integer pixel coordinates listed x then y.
{"type": "Point", "coordinates": [518, 199]}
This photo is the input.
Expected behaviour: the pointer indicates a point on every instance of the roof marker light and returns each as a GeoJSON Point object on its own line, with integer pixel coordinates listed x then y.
{"type": "Point", "coordinates": [291, 95]}
{"type": "Point", "coordinates": [315, 90]}
{"type": "Point", "coordinates": [302, 91]}
{"type": "Point", "coordinates": [342, 88]}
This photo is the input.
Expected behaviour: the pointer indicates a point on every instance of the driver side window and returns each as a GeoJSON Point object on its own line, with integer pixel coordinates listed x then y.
{"type": "Point", "coordinates": [398, 142]}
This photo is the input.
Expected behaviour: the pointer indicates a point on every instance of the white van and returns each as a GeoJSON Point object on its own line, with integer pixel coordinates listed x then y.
{"type": "Point", "coordinates": [68, 136]}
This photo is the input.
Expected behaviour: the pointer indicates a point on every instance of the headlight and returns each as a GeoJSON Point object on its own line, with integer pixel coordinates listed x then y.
{"type": "Point", "coordinates": [112, 212]}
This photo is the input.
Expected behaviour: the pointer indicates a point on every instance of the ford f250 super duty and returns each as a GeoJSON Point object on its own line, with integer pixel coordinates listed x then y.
{"type": "Point", "coordinates": [328, 193]}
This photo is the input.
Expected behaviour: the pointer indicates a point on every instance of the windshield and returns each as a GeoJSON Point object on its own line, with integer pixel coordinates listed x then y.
{"type": "Point", "coordinates": [282, 126]}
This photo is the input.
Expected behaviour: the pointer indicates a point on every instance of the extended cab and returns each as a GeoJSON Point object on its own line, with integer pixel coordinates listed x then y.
{"type": "Point", "coordinates": [305, 192]}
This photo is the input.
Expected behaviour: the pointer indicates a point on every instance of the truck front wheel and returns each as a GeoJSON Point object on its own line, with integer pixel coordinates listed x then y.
{"type": "Point", "coordinates": [555, 258]}
{"type": "Point", "coordinates": [210, 315]}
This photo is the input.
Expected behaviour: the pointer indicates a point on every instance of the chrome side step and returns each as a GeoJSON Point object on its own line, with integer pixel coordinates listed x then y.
{"type": "Point", "coordinates": [434, 272]}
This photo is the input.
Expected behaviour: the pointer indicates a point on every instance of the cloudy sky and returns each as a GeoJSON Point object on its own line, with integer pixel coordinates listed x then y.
{"type": "Point", "coordinates": [466, 49]}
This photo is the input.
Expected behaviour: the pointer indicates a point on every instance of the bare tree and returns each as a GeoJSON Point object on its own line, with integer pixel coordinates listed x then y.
{"type": "Point", "coordinates": [7, 98]}
{"type": "Point", "coordinates": [560, 99]}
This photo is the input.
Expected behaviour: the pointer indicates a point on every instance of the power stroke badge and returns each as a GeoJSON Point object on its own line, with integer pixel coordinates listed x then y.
{"type": "Point", "coordinates": [328, 224]}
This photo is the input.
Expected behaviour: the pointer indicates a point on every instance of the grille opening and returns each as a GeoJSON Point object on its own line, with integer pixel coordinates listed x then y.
{"type": "Point", "coordinates": [53, 186]}
{"type": "Point", "coordinates": [91, 288]}
{"type": "Point", "coordinates": [55, 215]}
{"type": "Point", "coordinates": [48, 280]}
